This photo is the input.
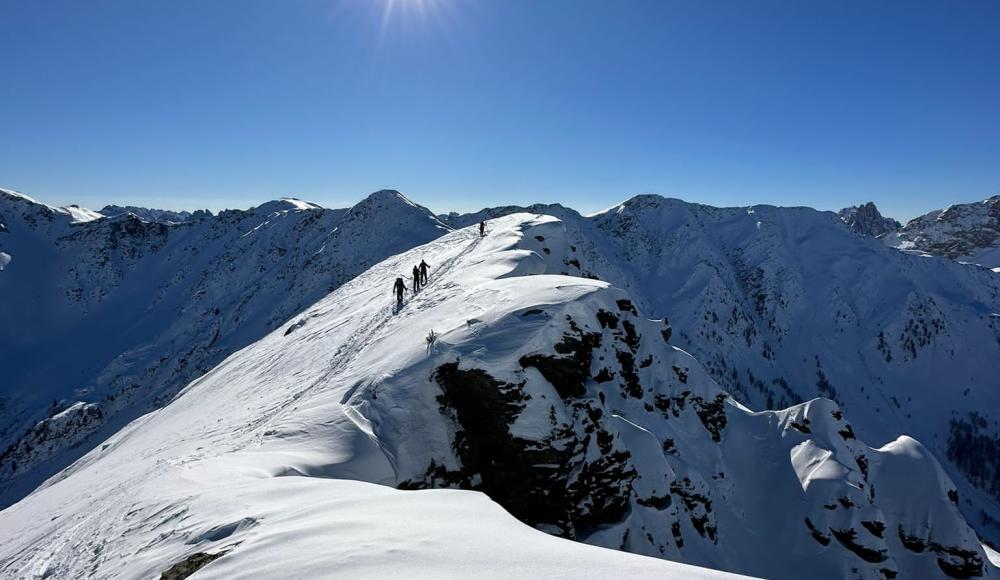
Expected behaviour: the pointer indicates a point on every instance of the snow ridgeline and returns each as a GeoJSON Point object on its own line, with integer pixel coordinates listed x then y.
{"type": "Point", "coordinates": [549, 393]}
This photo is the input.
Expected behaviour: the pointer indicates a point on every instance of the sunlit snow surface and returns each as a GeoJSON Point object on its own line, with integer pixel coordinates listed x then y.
{"type": "Point", "coordinates": [274, 458]}
{"type": "Point", "coordinates": [139, 308]}
{"type": "Point", "coordinates": [252, 458]}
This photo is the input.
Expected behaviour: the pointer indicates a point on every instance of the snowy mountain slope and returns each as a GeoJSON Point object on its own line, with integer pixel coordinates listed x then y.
{"type": "Point", "coordinates": [866, 220]}
{"type": "Point", "coordinates": [106, 319]}
{"type": "Point", "coordinates": [968, 232]}
{"type": "Point", "coordinates": [782, 305]}
{"type": "Point", "coordinates": [549, 393]}
{"type": "Point", "coordinates": [251, 458]}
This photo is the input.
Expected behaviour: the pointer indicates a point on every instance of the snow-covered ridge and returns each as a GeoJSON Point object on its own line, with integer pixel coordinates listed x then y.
{"type": "Point", "coordinates": [53, 216]}
{"type": "Point", "coordinates": [138, 308]}
{"type": "Point", "coordinates": [967, 232]}
{"type": "Point", "coordinates": [550, 393]}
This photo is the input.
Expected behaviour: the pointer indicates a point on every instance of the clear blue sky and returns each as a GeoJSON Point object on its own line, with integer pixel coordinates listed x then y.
{"type": "Point", "coordinates": [466, 103]}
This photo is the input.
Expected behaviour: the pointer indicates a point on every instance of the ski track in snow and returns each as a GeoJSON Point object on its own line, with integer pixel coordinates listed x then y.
{"type": "Point", "coordinates": [370, 330]}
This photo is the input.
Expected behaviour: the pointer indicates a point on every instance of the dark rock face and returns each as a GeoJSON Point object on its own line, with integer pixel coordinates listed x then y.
{"type": "Point", "coordinates": [698, 506]}
{"type": "Point", "coordinates": [867, 221]}
{"type": "Point", "coordinates": [65, 424]}
{"type": "Point", "coordinates": [974, 446]}
{"type": "Point", "coordinates": [567, 373]}
{"type": "Point", "coordinates": [712, 414]}
{"type": "Point", "coordinates": [954, 561]}
{"type": "Point", "coordinates": [848, 537]}
{"type": "Point", "coordinates": [578, 477]}
{"type": "Point", "coordinates": [817, 535]}
{"type": "Point", "coordinates": [565, 483]}
{"type": "Point", "coordinates": [190, 565]}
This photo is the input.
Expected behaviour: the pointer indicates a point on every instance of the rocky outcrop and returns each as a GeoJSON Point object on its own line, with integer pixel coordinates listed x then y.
{"type": "Point", "coordinates": [866, 220]}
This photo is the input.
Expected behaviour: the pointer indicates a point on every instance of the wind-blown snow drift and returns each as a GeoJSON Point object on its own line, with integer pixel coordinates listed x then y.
{"type": "Point", "coordinates": [550, 393]}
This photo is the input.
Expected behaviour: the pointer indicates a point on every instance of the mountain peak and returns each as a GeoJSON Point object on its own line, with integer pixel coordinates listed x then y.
{"type": "Point", "coordinates": [867, 221]}
{"type": "Point", "coordinates": [285, 204]}
{"type": "Point", "coordinates": [74, 213]}
{"type": "Point", "coordinates": [391, 204]}
{"type": "Point", "coordinates": [645, 198]}
{"type": "Point", "coordinates": [387, 197]}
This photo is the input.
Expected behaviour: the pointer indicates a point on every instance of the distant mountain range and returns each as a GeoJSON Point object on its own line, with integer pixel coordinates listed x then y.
{"type": "Point", "coordinates": [106, 318]}
{"type": "Point", "coordinates": [156, 215]}
{"type": "Point", "coordinates": [968, 232]}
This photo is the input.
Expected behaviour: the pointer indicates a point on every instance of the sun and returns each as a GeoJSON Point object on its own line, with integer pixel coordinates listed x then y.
{"type": "Point", "coordinates": [422, 9]}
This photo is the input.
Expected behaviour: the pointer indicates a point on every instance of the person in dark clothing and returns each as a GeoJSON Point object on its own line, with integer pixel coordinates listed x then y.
{"type": "Point", "coordinates": [423, 272]}
{"type": "Point", "coordinates": [416, 279]}
{"type": "Point", "coordinates": [482, 228]}
{"type": "Point", "coordinates": [399, 287]}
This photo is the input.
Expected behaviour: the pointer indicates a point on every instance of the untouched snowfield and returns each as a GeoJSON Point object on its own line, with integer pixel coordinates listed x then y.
{"type": "Point", "coordinates": [256, 459]}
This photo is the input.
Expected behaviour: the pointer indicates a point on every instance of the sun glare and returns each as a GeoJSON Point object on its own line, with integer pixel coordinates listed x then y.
{"type": "Point", "coordinates": [406, 9]}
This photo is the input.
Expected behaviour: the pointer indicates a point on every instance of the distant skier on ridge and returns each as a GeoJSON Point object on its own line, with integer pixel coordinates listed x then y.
{"type": "Point", "coordinates": [416, 279]}
{"type": "Point", "coordinates": [399, 287]}
{"type": "Point", "coordinates": [482, 228]}
{"type": "Point", "coordinates": [423, 272]}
